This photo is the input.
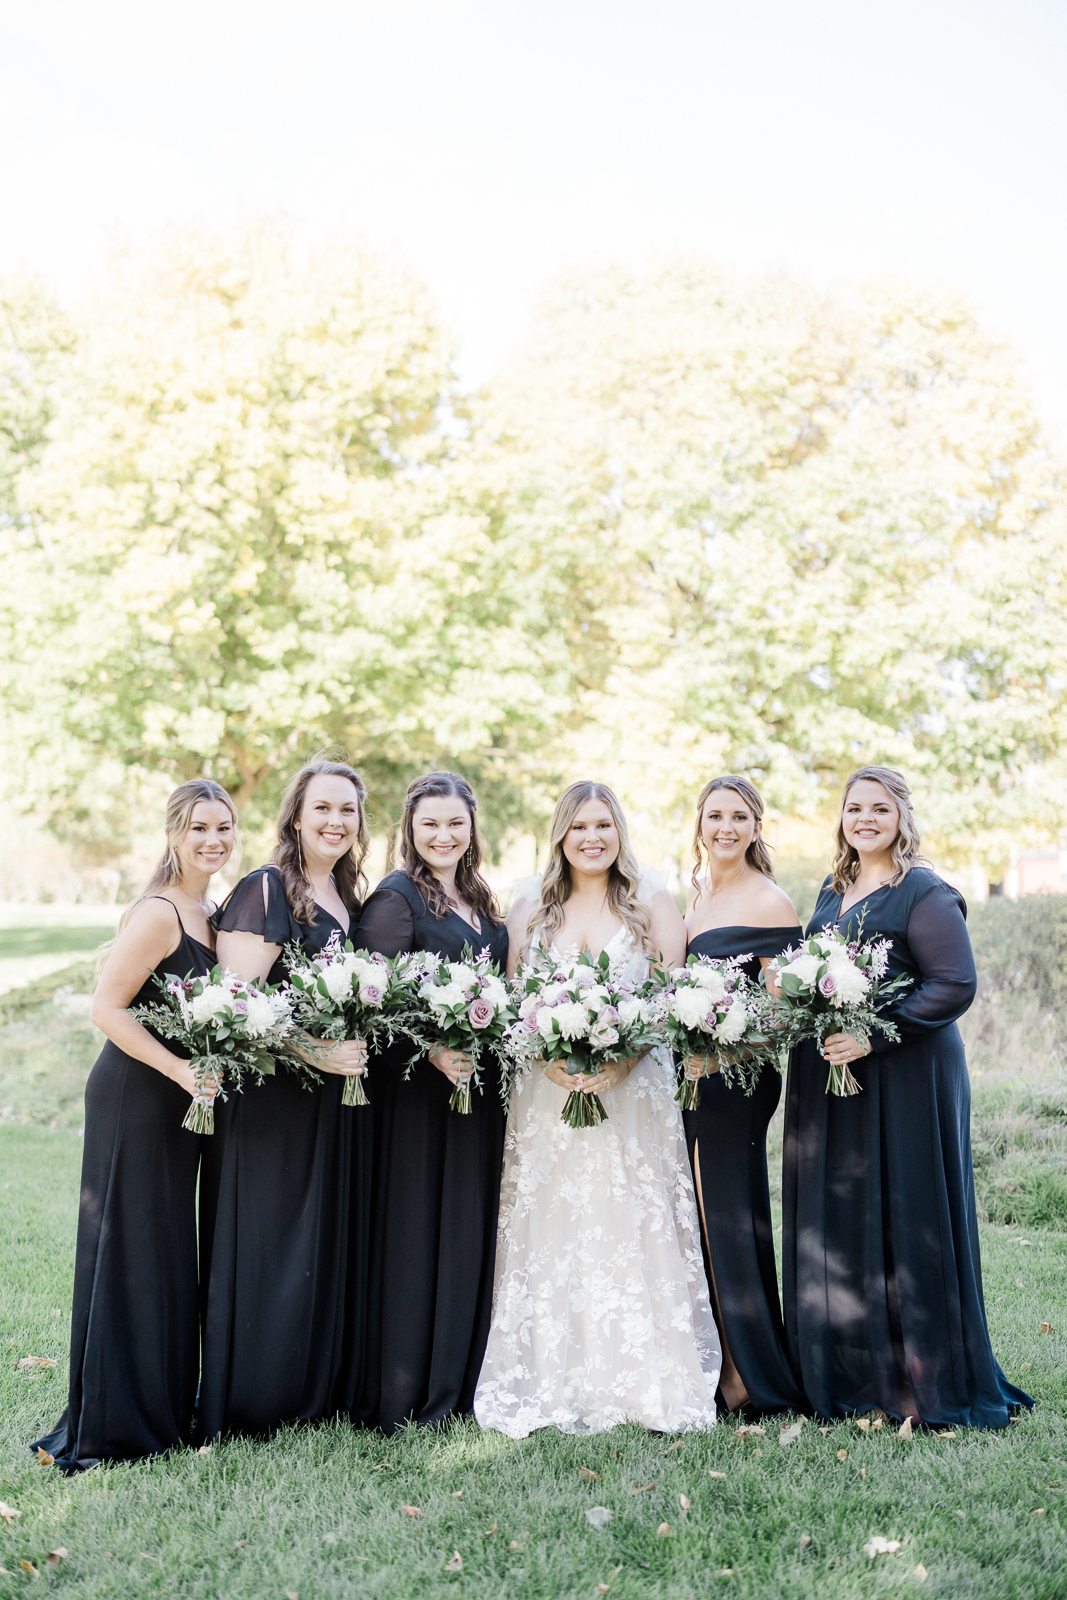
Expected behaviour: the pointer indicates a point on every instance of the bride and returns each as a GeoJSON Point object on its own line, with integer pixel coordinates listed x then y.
{"type": "Point", "coordinates": [601, 1312]}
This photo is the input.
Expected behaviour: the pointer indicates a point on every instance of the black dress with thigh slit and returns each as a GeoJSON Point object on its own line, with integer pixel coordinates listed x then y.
{"type": "Point", "coordinates": [727, 1134]}
{"type": "Point", "coordinates": [134, 1333]}
{"type": "Point", "coordinates": [436, 1197]}
{"type": "Point", "coordinates": [283, 1224]}
{"type": "Point", "coordinates": [882, 1278]}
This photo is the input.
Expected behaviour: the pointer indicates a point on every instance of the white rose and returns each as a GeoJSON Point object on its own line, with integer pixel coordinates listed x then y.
{"type": "Point", "coordinates": [733, 1025]}
{"type": "Point", "coordinates": [210, 1002]}
{"type": "Point", "coordinates": [690, 1006]}
{"type": "Point", "coordinates": [631, 1012]}
{"type": "Point", "coordinates": [805, 967]}
{"type": "Point", "coordinates": [443, 996]}
{"type": "Point", "coordinates": [260, 1017]}
{"type": "Point", "coordinates": [460, 973]}
{"type": "Point", "coordinates": [528, 1003]}
{"type": "Point", "coordinates": [495, 992]}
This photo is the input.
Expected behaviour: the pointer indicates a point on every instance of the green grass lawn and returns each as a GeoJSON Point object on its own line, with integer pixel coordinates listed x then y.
{"type": "Point", "coordinates": [319, 1511]}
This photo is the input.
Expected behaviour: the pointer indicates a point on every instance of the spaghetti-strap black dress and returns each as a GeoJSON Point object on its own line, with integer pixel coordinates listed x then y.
{"type": "Point", "coordinates": [436, 1197]}
{"type": "Point", "coordinates": [727, 1136]}
{"type": "Point", "coordinates": [881, 1268]}
{"type": "Point", "coordinates": [134, 1333]}
{"type": "Point", "coordinates": [284, 1208]}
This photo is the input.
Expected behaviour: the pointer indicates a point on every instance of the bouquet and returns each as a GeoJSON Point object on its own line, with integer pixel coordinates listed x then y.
{"type": "Point", "coordinates": [456, 1005]}
{"type": "Point", "coordinates": [715, 1011]}
{"type": "Point", "coordinates": [343, 994]}
{"type": "Point", "coordinates": [580, 1014]}
{"type": "Point", "coordinates": [833, 984]}
{"type": "Point", "coordinates": [229, 1027]}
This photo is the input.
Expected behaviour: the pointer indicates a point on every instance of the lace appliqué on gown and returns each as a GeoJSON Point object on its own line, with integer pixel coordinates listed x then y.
{"type": "Point", "coordinates": [601, 1312]}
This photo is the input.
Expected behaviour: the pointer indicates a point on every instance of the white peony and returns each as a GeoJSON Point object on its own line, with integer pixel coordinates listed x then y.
{"type": "Point", "coordinates": [690, 1006]}
{"type": "Point", "coordinates": [495, 992]}
{"type": "Point", "coordinates": [260, 1017]}
{"type": "Point", "coordinates": [709, 979]}
{"type": "Point", "coordinates": [552, 992]}
{"type": "Point", "coordinates": [631, 1012]}
{"type": "Point", "coordinates": [852, 984]}
{"type": "Point", "coordinates": [210, 1002]}
{"type": "Point", "coordinates": [460, 973]}
{"type": "Point", "coordinates": [733, 1024]}
{"type": "Point", "coordinates": [805, 967]}
{"type": "Point", "coordinates": [338, 981]}
{"type": "Point", "coordinates": [571, 1019]}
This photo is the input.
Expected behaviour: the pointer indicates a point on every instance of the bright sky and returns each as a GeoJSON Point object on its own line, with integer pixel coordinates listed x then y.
{"type": "Point", "coordinates": [494, 142]}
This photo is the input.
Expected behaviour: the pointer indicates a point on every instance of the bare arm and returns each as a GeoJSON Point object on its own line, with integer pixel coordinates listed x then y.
{"type": "Point", "coordinates": [150, 936]}
{"type": "Point", "coordinates": [669, 937]}
{"type": "Point", "coordinates": [518, 918]}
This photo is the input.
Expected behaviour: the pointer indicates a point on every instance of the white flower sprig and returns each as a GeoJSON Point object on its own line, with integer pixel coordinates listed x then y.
{"type": "Point", "coordinates": [230, 1028]}
{"type": "Point", "coordinates": [830, 984]}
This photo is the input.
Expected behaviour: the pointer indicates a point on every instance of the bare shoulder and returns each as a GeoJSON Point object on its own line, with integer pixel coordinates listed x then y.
{"type": "Point", "coordinates": [771, 907]}
{"type": "Point", "coordinates": [154, 917]}
{"type": "Point", "coordinates": [152, 933]}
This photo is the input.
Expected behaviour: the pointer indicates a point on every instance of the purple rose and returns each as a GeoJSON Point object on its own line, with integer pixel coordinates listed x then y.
{"type": "Point", "coordinates": [372, 995]}
{"type": "Point", "coordinates": [710, 1022]}
{"type": "Point", "coordinates": [608, 1016]}
{"type": "Point", "coordinates": [240, 1007]}
{"type": "Point", "coordinates": [529, 1022]}
{"type": "Point", "coordinates": [827, 984]}
{"type": "Point", "coordinates": [480, 1014]}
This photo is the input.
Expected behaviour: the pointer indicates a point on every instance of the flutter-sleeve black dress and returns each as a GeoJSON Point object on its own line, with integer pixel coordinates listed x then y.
{"type": "Point", "coordinates": [436, 1196]}
{"type": "Point", "coordinates": [882, 1279]}
{"type": "Point", "coordinates": [727, 1137]}
{"type": "Point", "coordinates": [284, 1212]}
{"type": "Point", "coordinates": [134, 1332]}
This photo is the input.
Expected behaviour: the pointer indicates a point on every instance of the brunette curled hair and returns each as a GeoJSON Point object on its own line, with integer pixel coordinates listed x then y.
{"type": "Point", "coordinates": [470, 884]}
{"type": "Point", "coordinates": [288, 856]}
{"type": "Point", "coordinates": [907, 846]}
{"type": "Point", "coordinates": [757, 854]}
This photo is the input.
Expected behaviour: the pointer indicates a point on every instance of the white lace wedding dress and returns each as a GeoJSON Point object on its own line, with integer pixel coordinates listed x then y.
{"type": "Point", "coordinates": [600, 1312]}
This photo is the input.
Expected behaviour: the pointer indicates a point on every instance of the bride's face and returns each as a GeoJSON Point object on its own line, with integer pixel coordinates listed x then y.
{"type": "Point", "coordinates": [592, 841]}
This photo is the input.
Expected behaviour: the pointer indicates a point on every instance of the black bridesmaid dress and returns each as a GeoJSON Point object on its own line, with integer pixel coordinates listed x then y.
{"type": "Point", "coordinates": [436, 1197]}
{"type": "Point", "coordinates": [727, 1133]}
{"type": "Point", "coordinates": [882, 1277]}
{"type": "Point", "coordinates": [134, 1334]}
{"type": "Point", "coordinates": [284, 1210]}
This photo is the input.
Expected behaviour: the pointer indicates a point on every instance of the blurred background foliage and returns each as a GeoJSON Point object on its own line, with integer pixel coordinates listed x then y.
{"type": "Point", "coordinates": [701, 523]}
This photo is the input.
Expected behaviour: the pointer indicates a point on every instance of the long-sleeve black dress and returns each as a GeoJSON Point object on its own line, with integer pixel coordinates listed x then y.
{"type": "Point", "coordinates": [436, 1197]}
{"type": "Point", "coordinates": [727, 1134]}
{"type": "Point", "coordinates": [134, 1332]}
{"type": "Point", "coordinates": [284, 1211]}
{"type": "Point", "coordinates": [882, 1277]}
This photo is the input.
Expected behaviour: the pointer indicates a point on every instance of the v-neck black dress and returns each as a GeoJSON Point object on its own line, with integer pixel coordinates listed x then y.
{"type": "Point", "coordinates": [727, 1133]}
{"type": "Point", "coordinates": [436, 1197]}
{"type": "Point", "coordinates": [134, 1334]}
{"type": "Point", "coordinates": [284, 1209]}
{"type": "Point", "coordinates": [882, 1278]}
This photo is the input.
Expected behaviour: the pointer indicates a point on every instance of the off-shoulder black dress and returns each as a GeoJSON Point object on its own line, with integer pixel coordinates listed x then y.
{"type": "Point", "coordinates": [134, 1332]}
{"type": "Point", "coordinates": [727, 1135]}
{"type": "Point", "coordinates": [284, 1211]}
{"type": "Point", "coordinates": [882, 1279]}
{"type": "Point", "coordinates": [436, 1197]}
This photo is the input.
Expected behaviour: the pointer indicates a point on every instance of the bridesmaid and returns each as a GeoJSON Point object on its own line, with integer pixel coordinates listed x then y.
{"type": "Point", "coordinates": [436, 1172]}
{"type": "Point", "coordinates": [134, 1339]}
{"type": "Point", "coordinates": [882, 1277]}
{"type": "Point", "coordinates": [283, 1198]}
{"type": "Point", "coordinates": [735, 908]}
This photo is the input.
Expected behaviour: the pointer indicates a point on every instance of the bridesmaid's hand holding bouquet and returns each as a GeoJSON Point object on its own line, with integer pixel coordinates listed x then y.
{"type": "Point", "coordinates": [341, 994]}
{"type": "Point", "coordinates": [831, 984]}
{"type": "Point", "coordinates": [230, 1027]}
{"type": "Point", "coordinates": [717, 1020]}
{"type": "Point", "coordinates": [463, 1006]}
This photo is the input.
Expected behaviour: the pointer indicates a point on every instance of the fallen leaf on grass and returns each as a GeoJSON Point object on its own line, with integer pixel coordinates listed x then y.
{"type": "Point", "coordinates": [948, 1435]}
{"type": "Point", "coordinates": [596, 1516]}
{"type": "Point", "coordinates": [684, 1501]}
{"type": "Point", "coordinates": [489, 1532]}
{"type": "Point", "coordinates": [205, 1450]}
{"type": "Point", "coordinates": [921, 1573]}
{"type": "Point", "coordinates": [412, 1511]}
{"type": "Point", "coordinates": [876, 1424]}
{"type": "Point", "coordinates": [863, 1424]}
{"type": "Point", "coordinates": [584, 1472]}
{"type": "Point", "coordinates": [8, 1512]}
{"type": "Point", "coordinates": [328, 1538]}
{"type": "Point", "coordinates": [43, 1458]}
{"type": "Point", "coordinates": [600, 1588]}
{"type": "Point", "coordinates": [751, 1431]}
{"type": "Point", "coordinates": [791, 1434]}
{"type": "Point", "coordinates": [1024, 1368]}
{"type": "Point", "coordinates": [1040, 1512]}
{"type": "Point", "coordinates": [291, 1594]}
{"type": "Point", "coordinates": [26, 1362]}
{"type": "Point", "coordinates": [1019, 1284]}
{"type": "Point", "coordinates": [456, 1563]}
{"type": "Point", "coordinates": [716, 1475]}
{"type": "Point", "coordinates": [881, 1547]}
{"type": "Point", "coordinates": [457, 1494]}
{"type": "Point", "coordinates": [904, 1431]}
{"type": "Point", "coordinates": [1045, 1327]}
{"type": "Point", "coordinates": [671, 1448]}
{"type": "Point", "coordinates": [842, 1455]}
{"type": "Point", "coordinates": [825, 1431]}
{"type": "Point", "coordinates": [725, 1572]}
{"type": "Point", "coordinates": [663, 1531]}
{"type": "Point", "coordinates": [863, 1472]}
{"type": "Point", "coordinates": [242, 1544]}
{"type": "Point", "coordinates": [805, 1540]}
{"type": "Point", "coordinates": [384, 1466]}
{"type": "Point", "coordinates": [28, 1566]}
{"type": "Point", "coordinates": [54, 1557]}
{"type": "Point", "coordinates": [641, 1488]}
{"type": "Point", "coordinates": [516, 1544]}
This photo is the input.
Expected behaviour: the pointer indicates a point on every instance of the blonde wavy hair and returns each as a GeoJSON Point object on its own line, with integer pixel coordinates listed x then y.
{"type": "Point", "coordinates": [757, 854]}
{"type": "Point", "coordinates": [623, 874]}
{"type": "Point", "coordinates": [907, 852]}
